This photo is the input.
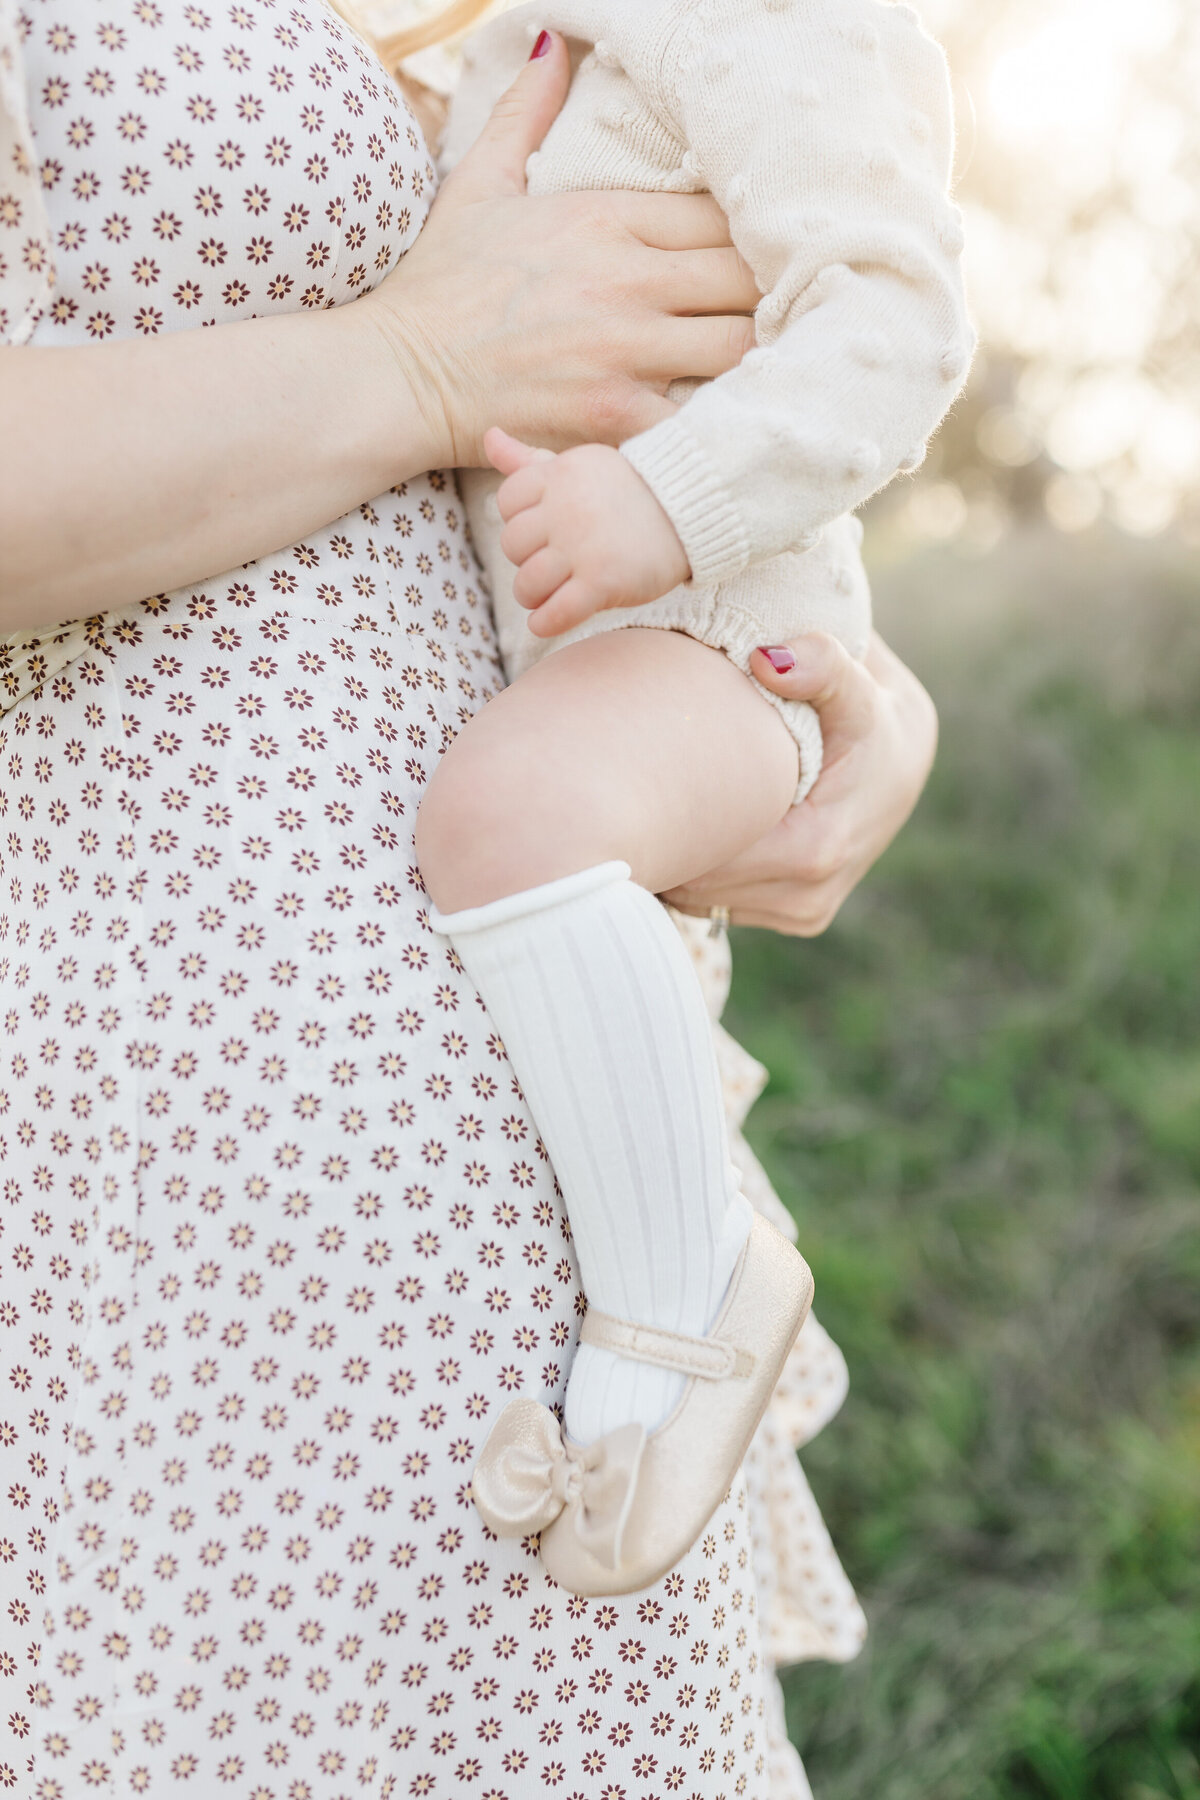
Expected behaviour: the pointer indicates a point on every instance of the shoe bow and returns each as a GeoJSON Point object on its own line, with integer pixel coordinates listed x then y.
{"type": "Point", "coordinates": [527, 1473]}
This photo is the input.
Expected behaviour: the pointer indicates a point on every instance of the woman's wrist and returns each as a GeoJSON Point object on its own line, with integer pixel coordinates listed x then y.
{"type": "Point", "coordinates": [397, 408]}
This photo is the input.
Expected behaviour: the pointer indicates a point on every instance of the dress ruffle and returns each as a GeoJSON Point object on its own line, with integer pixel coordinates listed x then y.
{"type": "Point", "coordinates": [808, 1609]}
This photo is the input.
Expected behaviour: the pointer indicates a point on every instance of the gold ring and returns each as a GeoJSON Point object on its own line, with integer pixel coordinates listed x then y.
{"type": "Point", "coordinates": [718, 920]}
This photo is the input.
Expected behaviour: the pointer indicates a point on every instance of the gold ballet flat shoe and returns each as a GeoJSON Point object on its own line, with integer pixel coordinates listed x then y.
{"type": "Point", "coordinates": [616, 1515]}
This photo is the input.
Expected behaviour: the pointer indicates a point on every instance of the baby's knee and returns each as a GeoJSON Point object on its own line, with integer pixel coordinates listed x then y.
{"type": "Point", "coordinates": [463, 816]}
{"type": "Point", "coordinates": [489, 824]}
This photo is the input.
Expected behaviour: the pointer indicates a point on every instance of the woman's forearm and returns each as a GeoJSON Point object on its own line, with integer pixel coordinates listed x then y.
{"type": "Point", "coordinates": [133, 468]}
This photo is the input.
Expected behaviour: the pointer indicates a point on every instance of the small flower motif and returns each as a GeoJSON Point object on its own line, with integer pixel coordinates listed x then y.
{"type": "Point", "coordinates": [336, 1292]}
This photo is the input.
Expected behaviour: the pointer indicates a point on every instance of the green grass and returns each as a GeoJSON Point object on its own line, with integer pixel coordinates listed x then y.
{"type": "Point", "coordinates": [984, 1111]}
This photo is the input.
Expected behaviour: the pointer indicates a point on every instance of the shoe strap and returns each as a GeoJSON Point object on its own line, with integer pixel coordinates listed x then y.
{"type": "Point", "coordinates": [706, 1358]}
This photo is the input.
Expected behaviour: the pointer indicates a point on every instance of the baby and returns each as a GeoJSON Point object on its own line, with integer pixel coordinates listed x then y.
{"type": "Point", "coordinates": [643, 752]}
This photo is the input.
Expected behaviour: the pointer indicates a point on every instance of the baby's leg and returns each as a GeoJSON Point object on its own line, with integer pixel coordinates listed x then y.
{"type": "Point", "coordinates": [638, 745]}
{"type": "Point", "coordinates": [643, 750]}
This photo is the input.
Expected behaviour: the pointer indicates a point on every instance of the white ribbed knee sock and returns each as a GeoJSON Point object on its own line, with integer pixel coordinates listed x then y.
{"type": "Point", "coordinates": [605, 1026]}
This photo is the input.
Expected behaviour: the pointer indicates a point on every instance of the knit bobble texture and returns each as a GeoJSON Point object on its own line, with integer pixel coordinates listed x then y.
{"type": "Point", "coordinates": [871, 349]}
{"type": "Point", "coordinates": [950, 233]}
{"type": "Point", "coordinates": [831, 279]}
{"type": "Point", "coordinates": [864, 459]}
{"type": "Point", "coordinates": [823, 130]}
{"type": "Point", "coordinates": [881, 160]}
{"type": "Point", "coordinates": [864, 37]}
{"type": "Point", "coordinates": [910, 261]}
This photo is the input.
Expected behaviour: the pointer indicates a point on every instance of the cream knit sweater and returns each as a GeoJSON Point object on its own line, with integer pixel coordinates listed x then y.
{"type": "Point", "coordinates": [824, 129]}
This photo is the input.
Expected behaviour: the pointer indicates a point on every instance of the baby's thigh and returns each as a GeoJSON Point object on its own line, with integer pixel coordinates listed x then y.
{"type": "Point", "coordinates": [638, 745]}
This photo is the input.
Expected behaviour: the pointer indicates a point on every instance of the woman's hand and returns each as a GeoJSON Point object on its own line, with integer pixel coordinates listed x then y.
{"type": "Point", "coordinates": [880, 731]}
{"type": "Point", "coordinates": [561, 318]}
{"type": "Point", "coordinates": [194, 452]}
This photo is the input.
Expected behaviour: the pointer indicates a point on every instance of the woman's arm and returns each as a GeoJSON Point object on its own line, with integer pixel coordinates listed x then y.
{"type": "Point", "coordinates": [134, 468]}
{"type": "Point", "coordinates": [880, 731]}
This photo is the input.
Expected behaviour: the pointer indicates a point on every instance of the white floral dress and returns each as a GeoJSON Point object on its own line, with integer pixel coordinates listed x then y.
{"type": "Point", "coordinates": [277, 1238]}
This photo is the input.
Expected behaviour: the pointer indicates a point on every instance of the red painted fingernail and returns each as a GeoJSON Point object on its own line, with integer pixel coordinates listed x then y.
{"type": "Point", "coordinates": [541, 47]}
{"type": "Point", "coordinates": [780, 658]}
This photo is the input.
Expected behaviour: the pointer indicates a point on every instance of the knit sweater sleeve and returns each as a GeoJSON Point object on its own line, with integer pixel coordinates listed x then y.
{"type": "Point", "coordinates": [824, 129]}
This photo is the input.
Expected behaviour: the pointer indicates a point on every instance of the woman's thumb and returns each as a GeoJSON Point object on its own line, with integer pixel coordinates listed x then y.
{"type": "Point", "coordinates": [818, 669]}
{"type": "Point", "coordinates": [495, 163]}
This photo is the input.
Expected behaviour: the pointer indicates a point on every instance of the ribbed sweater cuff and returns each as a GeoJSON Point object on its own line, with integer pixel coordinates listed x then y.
{"type": "Point", "coordinates": [688, 489]}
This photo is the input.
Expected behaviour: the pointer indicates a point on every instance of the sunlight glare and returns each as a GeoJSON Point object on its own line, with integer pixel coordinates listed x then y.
{"type": "Point", "coordinates": [1065, 81]}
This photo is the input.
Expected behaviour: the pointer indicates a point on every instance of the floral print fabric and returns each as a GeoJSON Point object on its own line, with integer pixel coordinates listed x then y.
{"type": "Point", "coordinates": [26, 263]}
{"type": "Point", "coordinates": [277, 1237]}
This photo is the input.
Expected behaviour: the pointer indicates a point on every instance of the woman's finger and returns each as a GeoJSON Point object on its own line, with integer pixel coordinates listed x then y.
{"type": "Point", "coordinates": [495, 163]}
{"type": "Point", "coordinates": [759, 894]}
{"type": "Point", "coordinates": [671, 349]}
{"type": "Point", "coordinates": [672, 221]}
{"type": "Point", "coordinates": [818, 669]}
{"type": "Point", "coordinates": [643, 409]}
{"type": "Point", "coordinates": [880, 737]}
{"type": "Point", "coordinates": [701, 281]}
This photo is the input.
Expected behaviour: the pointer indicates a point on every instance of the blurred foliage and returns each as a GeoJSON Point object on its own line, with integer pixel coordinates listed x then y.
{"type": "Point", "coordinates": [984, 1110]}
{"type": "Point", "coordinates": [1079, 172]}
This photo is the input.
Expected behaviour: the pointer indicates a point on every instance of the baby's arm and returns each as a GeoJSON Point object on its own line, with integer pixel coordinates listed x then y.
{"type": "Point", "coordinates": [824, 129]}
{"type": "Point", "coordinates": [584, 530]}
